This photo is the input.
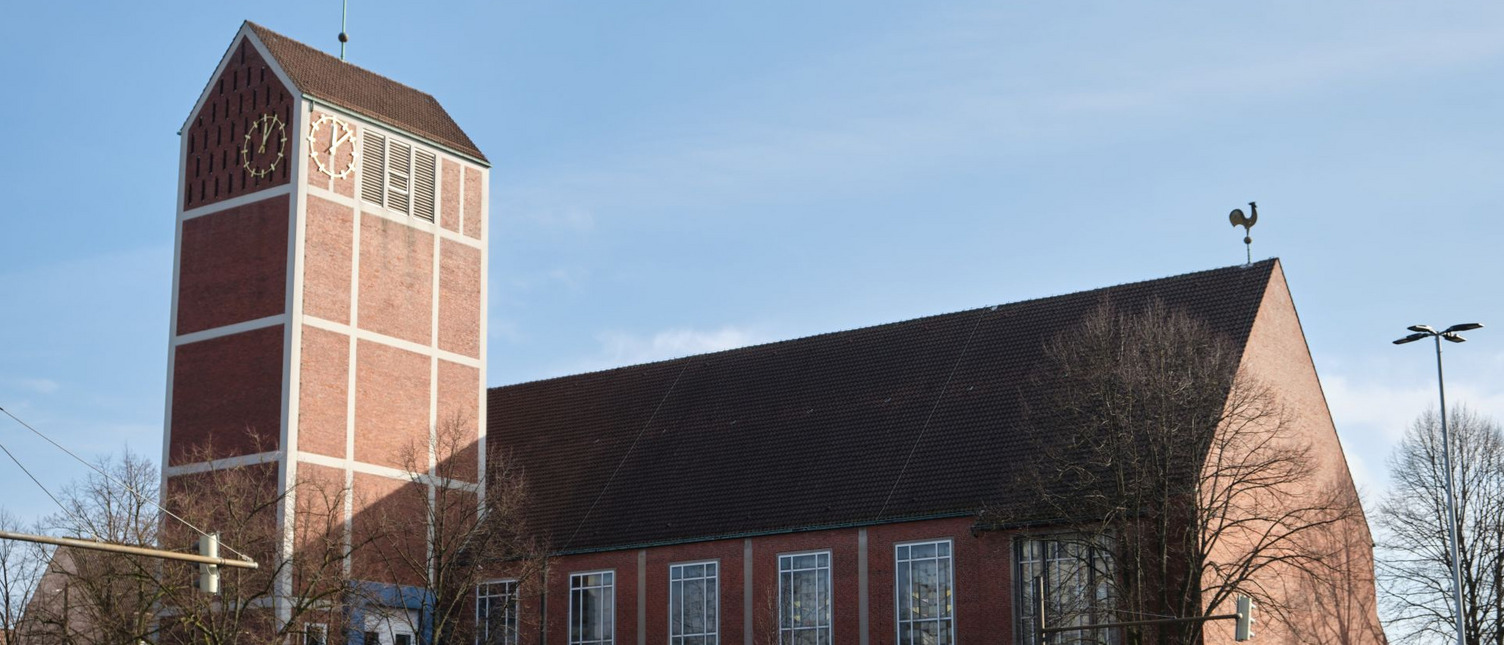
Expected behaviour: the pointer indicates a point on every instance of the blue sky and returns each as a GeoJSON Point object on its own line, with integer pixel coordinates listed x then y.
{"type": "Point", "coordinates": [678, 177]}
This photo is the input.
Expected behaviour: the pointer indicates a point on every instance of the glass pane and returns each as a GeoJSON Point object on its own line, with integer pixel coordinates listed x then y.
{"type": "Point", "coordinates": [805, 599]}
{"type": "Point", "coordinates": [943, 548]}
{"type": "Point", "coordinates": [825, 597]}
{"type": "Point", "coordinates": [903, 553]}
{"type": "Point", "coordinates": [804, 562]}
{"type": "Point", "coordinates": [905, 593]}
{"type": "Point", "coordinates": [924, 550]}
{"type": "Point", "coordinates": [785, 591]}
{"type": "Point", "coordinates": [675, 608]}
{"type": "Point", "coordinates": [711, 626]}
{"type": "Point", "coordinates": [694, 605]}
{"type": "Point", "coordinates": [824, 559]}
{"type": "Point", "coordinates": [710, 569]}
{"type": "Point", "coordinates": [590, 614]}
{"type": "Point", "coordinates": [674, 573]}
{"type": "Point", "coordinates": [607, 606]}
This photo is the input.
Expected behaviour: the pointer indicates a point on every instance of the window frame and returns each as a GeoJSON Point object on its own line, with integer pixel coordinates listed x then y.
{"type": "Point", "coordinates": [321, 628]}
{"type": "Point", "coordinates": [510, 605]}
{"type": "Point", "coordinates": [713, 636]}
{"type": "Point", "coordinates": [950, 564]}
{"type": "Point", "coordinates": [1099, 563]}
{"type": "Point", "coordinates": [785, 635]}
{"type": "Point", "coordinates": [571, 636]}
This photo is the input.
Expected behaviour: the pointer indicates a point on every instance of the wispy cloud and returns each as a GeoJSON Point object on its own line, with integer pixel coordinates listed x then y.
{"type": "Point", "coordinates": [822, 133]}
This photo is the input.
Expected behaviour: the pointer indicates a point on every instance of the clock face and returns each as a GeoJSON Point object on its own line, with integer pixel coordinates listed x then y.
{"type": "Point", "coordinates": [330, 159]}
{"type": "Point", "coordinates": [265, 144]}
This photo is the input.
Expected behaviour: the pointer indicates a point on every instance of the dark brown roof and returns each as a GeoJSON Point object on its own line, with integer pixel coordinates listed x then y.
{"type": "Point", "coordinates": [811, 432]}
{"type": "Point", "coordinates": [325, 77]}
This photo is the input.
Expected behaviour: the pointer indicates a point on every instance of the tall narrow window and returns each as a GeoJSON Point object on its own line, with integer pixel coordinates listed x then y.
{"type": "Point", "coordinates": [496, 613]}
{"type": "Point", "coordinates": [1077, 574]}
{"type": "Point", "coordinates": [425, 183]}
{"type": "Point", "coordinates": [924, 588]}
{"type": "Point", "coordinates": [591, 600]}
{"type": "Point", "coordinates": [373, 167]}
{"type": "Point", "coordinates": [693, 591]}
{"type": "Point", "coordinates": [804, 599]}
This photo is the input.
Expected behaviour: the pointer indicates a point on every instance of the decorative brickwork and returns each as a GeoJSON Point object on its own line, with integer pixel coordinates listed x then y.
{"type": "Point", "coordinates": [241, 94]}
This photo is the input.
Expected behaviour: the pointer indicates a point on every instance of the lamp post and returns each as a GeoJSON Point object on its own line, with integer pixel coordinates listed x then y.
{"type": "Point", "coordinates": [1449, 334]}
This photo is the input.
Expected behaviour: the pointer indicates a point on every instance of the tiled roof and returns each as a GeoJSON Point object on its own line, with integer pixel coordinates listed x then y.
{"type": "Point", "coordinates": [812, 432]}
{"type": "Point", "coordinates": [325, 77]}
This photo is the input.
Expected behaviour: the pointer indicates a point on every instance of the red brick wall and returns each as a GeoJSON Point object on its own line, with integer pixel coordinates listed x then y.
{"type": "Point", "coordinates": [396, 279]}
{"type": "Point", "coordinates": [391, 404]}
{"type": "Point", "coordinates": [227, 396]}
{"type": "Point", "coordinates": [233, 266]}
{"type": "Point", "coordinates": [449, 196]}
{"type": "Point", "coordinates": [241, 94]}
{"type": "Point", "coordinates": [323, 392]}
{"type": "Point", "coordinates": [382, 507]}
{"type": "Point", "coordinates": [459, 298]}
{"type": "Point", "coordinates": [1341, 606]}
{"type": "Point", "coordinates": [327, 250]}
{"type": "Point", "coordinates": [982, 564]}
{"type": "Point", "coordinates": [475, 191]}
{"type": "Point", "coordinates": [459, 404]}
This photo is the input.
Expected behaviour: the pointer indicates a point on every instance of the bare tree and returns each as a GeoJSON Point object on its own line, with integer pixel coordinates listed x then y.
{"type": "Point", "coordinates": [90, 597]}
{"type": "Point", "coordinates": [472, 533]}
{"type": "Point", "coordinates": [303, 576]}
{"type": "Point", "coordinates": [1415, 564]}
{"type": "Point", "coordinates": [1169, 478]}
{"type": "Point", "coordinates": [21, 567]}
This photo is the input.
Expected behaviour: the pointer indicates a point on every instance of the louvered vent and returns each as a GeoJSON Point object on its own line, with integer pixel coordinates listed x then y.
{"type": "Point", "coordinates": [372, 167]}
{"type": "Point", "coordinates": [399, 177]}
{"type": "Point", "coordinates": [425, 183]}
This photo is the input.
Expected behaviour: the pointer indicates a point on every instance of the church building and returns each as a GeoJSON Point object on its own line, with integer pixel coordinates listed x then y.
{"type": "Point", "coordinates": [329, 310]}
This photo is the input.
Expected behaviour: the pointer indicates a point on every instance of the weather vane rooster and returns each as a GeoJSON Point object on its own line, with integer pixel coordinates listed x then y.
{"type": "Point", "coordinates": [1247, 222]}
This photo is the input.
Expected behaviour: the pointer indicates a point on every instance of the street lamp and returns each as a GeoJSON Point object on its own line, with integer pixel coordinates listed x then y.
{"type": "Point", "coordinates": [1450, 334]}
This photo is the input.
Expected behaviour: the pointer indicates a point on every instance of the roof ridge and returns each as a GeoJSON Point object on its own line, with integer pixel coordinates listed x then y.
{"type": "Point", "coordinates": [262, 31]}
{"type": "Point", "coordinates": [342, 85]}
{"type": "Point", "coordinates": [1018, 303]}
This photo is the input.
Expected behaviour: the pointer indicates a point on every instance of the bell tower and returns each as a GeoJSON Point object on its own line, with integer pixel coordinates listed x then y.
{"type": "Point", "coordinates": [329, 296]}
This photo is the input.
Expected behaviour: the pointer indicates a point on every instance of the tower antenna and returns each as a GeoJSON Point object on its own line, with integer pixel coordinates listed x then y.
{"type": "Point", "coordinates": [1247, 222]}
{"type": "Point", "coordinates": [344, 12]}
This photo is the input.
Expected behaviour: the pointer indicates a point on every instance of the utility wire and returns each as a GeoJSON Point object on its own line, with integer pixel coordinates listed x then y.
{"type": "Point", "coordinates": [630, 448]}
{"type": "Point", "coordinates": [938, 398]}
{"type": "Point", "coordinates": [38, 482]}
{"type": "Point", "coordinates": [107, 476]}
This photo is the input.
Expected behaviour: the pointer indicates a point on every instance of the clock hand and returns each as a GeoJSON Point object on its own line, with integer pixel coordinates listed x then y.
{"type": "Point", "coordinates": [342, 140]}
{"type": "Point", "coordinates": [264, 135]}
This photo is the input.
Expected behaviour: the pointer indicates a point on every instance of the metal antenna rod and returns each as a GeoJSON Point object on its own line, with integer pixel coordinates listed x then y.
{"type": "Point", "coordinates": [344, 37]}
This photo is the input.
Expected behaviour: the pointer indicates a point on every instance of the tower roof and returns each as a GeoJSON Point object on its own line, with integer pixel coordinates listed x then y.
{"type": "Point", "coordinates": [815, 432]}
{"type": "Point", "coordinates": [324, 77]}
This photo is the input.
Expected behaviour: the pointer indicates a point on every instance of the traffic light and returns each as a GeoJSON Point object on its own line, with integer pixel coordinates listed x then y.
{"type": "Point", "coordinates": [1244, 630]}
{"type": "Point", "coordinates": [208, 574]}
